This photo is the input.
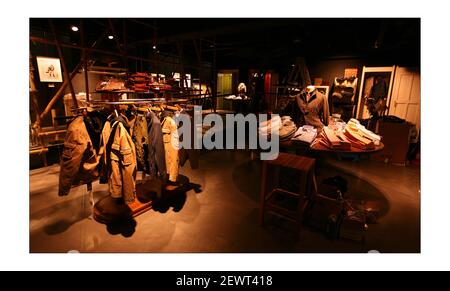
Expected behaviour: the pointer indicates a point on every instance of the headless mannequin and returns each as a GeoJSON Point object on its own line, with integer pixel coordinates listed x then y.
{"type": "Point", "coordinates": [314, 106]}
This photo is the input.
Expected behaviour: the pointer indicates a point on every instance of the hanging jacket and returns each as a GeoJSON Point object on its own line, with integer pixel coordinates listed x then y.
{"type": "Point", "coordinates": [156, 155]}
{"type": "Point", "coordinates": [94, 121]}
{"type": "Point", "coordinates": [171, 146]}
{"type": "Point", "coordinates": [118, 156]}
{"type": "Point", "coordinates": [190, 153]}
{"type": "Point", "coordinates": [139, 134]}
{"type": "Point", "coordinates": [79, 159]}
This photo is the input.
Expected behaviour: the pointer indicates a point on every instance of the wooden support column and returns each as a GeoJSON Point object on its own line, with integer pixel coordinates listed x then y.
{"type": "Point", "coordinates": [65, 83]}
{"type": "Point", "coordinates": [119, 46]}
{"type": "Point", "coordinates": [33, 91]}
{"type": "Point", "coordinates": [85, 60]}
{"type": "Point", "coordinates": [214, 78]}
{"type": "Point", "coordinates": [198, 51]}
{"type": "Point", "coordinates": [63, 64]}
{"type": "Point", "coordinates": [124, 32]}
{"type": "Point", "coordinates": [180, 56]}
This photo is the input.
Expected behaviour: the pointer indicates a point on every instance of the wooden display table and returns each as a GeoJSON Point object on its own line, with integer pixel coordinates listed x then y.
{"type": "Point", "coordinates": [322, 148]}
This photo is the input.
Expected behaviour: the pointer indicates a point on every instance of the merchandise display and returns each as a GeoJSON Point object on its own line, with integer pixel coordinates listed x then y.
{"type": "Point", "coordinates": [343, 96]}
{"type": "Point", "coordinates": [195, 135]}
{"type": "Point", "coordinates": [305, 134]}
{"type": "Point", "coordinates": [127, 144]}
{"type": "Point", "coordinates": [314, 107]}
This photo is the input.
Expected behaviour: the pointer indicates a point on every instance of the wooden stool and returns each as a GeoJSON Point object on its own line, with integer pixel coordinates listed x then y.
{"type": "Point", "coordinates": [305, 167]}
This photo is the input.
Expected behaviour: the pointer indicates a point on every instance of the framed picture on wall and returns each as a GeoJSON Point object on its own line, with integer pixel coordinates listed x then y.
{"type": "Point", "coordinates": [325, 90]}
{"type": "Point", "coordinates": [375, 91]}
{"type": "Point", "coordinates": [49, 69]}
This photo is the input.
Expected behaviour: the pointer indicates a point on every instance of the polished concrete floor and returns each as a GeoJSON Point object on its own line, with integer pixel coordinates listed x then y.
{"type": "Point", "coordinates": [222, 216]}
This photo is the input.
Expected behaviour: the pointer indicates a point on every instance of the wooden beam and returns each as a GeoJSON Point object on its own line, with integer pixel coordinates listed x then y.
{"type": "Point", "coordinates": [63, 64]}
{"type": "Point", "coordinates": [143, 23]}
{"type": "Point", "coordinates": [33, 91]}
{"type": "Point", "coordinates": [53, 132]}
{"type": "Point", "coordinates": [38, 151]}
{"type": "Point", "coordinates": [65, 83]}
{"type": "Point", "coordinates": [85, 60]}
{"type": "Point", "coordinates": [100, 51]}
{"type": "Point", "coordinates": [60, 91]}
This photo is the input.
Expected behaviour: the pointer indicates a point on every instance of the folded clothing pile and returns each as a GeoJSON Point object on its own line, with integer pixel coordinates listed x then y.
{"type": "Point", "coordinates": [272, 125]}
{"type": "Point", "coordinates": [288, 128]}
{"type": "Point", "coordinates": [305, 134]}
{"type": "Point", "coordinates": [360, 137]}
{"type": "Point", "coordinates": [231, 97]}
{"type": "Point", "coordinates": [139, 82]}
{"type": "Point", "coordinates": [111, 84]}
{"type": "Point", "coordinates": [239, 97]}
{"type": "Point", "coordinates": [160, 86]}
{"type": "Point", "coordinates": [284, 127]}
{"type": "Point", "coordinates": [362, 130]}
{"type": "Point", "coordinates": [333, 139]}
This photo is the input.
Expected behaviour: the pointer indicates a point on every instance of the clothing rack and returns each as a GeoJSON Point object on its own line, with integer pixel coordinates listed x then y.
{"type": "Point", "coordinates": [143, 105]}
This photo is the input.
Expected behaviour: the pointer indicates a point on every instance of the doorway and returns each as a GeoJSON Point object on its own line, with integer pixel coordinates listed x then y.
{"type": "Point", "coordinates": [225, 85]}
{"type": "Point", "coordinates": [405, 100]}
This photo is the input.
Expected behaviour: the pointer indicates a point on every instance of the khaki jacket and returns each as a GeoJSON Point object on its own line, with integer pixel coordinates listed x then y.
{"type": "Point", "coordinates": [139, 134]}
{"type": "Point", "coordinates": [171, 146]}
{"type": "Point", "coordinates": [79, 159]}
{"type": "Point", "coordinates": [118, 155]}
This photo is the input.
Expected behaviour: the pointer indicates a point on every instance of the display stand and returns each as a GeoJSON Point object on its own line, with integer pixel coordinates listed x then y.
{"type": "Point", "coordinates": [110, 210]}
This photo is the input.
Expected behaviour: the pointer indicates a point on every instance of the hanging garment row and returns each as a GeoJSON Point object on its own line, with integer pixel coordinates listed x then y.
{"type": "Point", "coordinates": [112, 144]}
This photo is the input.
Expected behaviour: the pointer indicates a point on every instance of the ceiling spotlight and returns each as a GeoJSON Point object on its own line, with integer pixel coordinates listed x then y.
{"type": "Point", "coordinates": [110, 37]}
{"type": "Point", "coordinates": [74, 28]}
{"type": "Point", "coordinates": [154, 47]}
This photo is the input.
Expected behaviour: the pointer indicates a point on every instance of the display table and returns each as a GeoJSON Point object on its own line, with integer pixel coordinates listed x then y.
{"type": "Point", "coordinates": [318, 147]}
{"type": "Point", "coordinates": [240, 105]}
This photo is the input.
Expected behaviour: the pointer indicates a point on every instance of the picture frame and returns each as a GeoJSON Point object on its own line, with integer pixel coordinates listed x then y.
{"type": "Point", "coordinates": [49, 69]}
{"type": "Point", "coordinates": [325, 90]}
{"type": "Point", "coordinates": [382, 78]}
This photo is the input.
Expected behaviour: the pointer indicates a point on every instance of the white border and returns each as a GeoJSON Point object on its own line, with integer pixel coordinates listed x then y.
{"type": "Point", "coordinates": [435, 109]}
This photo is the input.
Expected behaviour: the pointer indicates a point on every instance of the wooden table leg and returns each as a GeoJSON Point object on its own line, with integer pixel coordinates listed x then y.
{"type": "Point", "coordinates": [303, 194]}
{"type": "Point", "coordinates": [263, 193]}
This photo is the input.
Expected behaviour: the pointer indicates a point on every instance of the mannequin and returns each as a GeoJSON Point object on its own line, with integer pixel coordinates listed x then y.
{"type": "Point", "coordinates": [314, 107]}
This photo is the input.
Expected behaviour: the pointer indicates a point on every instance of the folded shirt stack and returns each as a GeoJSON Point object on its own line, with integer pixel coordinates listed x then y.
{"type": "Point", "coordinates": [358, 139]}
{"type": "Point", "coordinates": [305, 134]}
{"type": "Point", "coordinates": [266, 127]}
{"type": "Point", "coordinates": [112, 84]}
{"type": "Point", "coordinates": [354, 123]}
{"type": "Point", "coordinates": [139, 82]}
{"type": "Point", "coordinates": [333, 139]}
{"type": "Point", "coordinates": [288, 128]}
{"type": "Point", "coordinates": [160, 86]}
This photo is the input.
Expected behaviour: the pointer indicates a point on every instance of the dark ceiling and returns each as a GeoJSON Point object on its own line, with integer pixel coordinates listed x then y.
{"type": "Point", "coordinates": [251, 42]}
